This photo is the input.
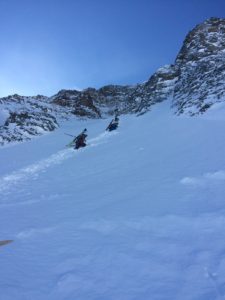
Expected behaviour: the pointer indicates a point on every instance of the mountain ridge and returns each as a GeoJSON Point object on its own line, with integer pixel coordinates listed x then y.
{"type": "Point", "coordinates": [194, 82]}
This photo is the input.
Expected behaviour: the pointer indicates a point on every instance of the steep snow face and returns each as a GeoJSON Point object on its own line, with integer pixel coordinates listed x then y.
{"type": "Point", "coordinates": [201, 67]}
{"type": "Point", "coordinates": [138, 214]}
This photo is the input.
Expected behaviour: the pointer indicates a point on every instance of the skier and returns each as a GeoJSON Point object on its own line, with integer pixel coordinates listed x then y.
{"type": "Point", "coordinates": [113, 124]}
{"type": "Point", "coordinates": [80, 140]}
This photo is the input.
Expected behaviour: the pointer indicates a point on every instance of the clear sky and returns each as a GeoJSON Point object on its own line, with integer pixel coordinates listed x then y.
{"type": "Point", "coordinates": [48, 45]}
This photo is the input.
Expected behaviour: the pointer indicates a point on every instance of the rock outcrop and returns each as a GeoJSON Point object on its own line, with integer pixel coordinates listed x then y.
{"type": "Point", "coordinates": [201, 67]}
{"type": "Point", "coordinates": [26, 117]}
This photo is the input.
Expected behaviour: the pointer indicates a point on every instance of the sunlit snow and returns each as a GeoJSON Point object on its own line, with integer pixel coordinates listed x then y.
{"type": "Point", "coordinates": [138, 214]}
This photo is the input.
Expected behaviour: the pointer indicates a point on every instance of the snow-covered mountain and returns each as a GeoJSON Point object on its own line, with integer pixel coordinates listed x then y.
{"type": "Point", "coordinates": [137, 214]}
{"type": "Point", "coordinates": [194, 82]}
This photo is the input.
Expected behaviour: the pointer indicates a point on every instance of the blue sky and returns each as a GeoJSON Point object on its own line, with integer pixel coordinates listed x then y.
{"type": "Point", "coordinates": [48, 45]}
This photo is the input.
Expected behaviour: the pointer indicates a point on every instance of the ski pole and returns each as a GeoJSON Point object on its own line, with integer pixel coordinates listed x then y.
{"type": "Point", "coordinates": [69, 134]}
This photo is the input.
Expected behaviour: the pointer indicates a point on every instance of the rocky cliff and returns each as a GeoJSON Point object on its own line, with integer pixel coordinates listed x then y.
{"type": "Point", "coordinates": [201, 68]}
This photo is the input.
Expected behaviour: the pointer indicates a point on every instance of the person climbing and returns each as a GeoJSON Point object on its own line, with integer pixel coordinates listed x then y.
{"type": "Point", "coordinates": [80, 140]}
{"type": "Point", "coordinates": [113, 124]}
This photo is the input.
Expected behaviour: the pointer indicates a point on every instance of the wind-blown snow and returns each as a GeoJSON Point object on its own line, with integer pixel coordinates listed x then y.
{"type": "Point", "coordinates": [139, 214]}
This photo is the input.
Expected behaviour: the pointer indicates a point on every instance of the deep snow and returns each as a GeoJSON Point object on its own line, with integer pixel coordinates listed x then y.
{"type": "Point", "coordinates": [138, 214]}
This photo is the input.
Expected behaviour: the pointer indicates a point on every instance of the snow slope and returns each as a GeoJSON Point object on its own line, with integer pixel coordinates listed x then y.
{"type": "Point", "coordinates": [139, 214]}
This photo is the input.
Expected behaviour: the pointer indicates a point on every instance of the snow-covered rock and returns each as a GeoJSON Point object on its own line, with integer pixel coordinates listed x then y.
{"type": "Point", "coordinates": [23, 117]}
{"type": "Point", "coordinates": [201, 67]}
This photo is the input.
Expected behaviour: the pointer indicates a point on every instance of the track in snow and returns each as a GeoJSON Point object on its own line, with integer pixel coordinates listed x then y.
{"type": "Point", "coordinates": [31, 171]}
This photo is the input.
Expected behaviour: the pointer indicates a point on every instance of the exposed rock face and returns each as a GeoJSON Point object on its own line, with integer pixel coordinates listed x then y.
{"type": "Point", "coordinates": [94, 103]}
{"type": "Point", "coordinates": [81, 104]}
{"type": "Point", "coordinates": [201, 68]}
{"type": "Point", "coordinates": [194, 82]}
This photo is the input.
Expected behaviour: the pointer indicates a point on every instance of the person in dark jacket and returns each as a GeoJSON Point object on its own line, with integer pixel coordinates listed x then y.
{"type": "Point", "coordinates": [80, 140]}
{"type": "Point", "coordinates": [113, 124]}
